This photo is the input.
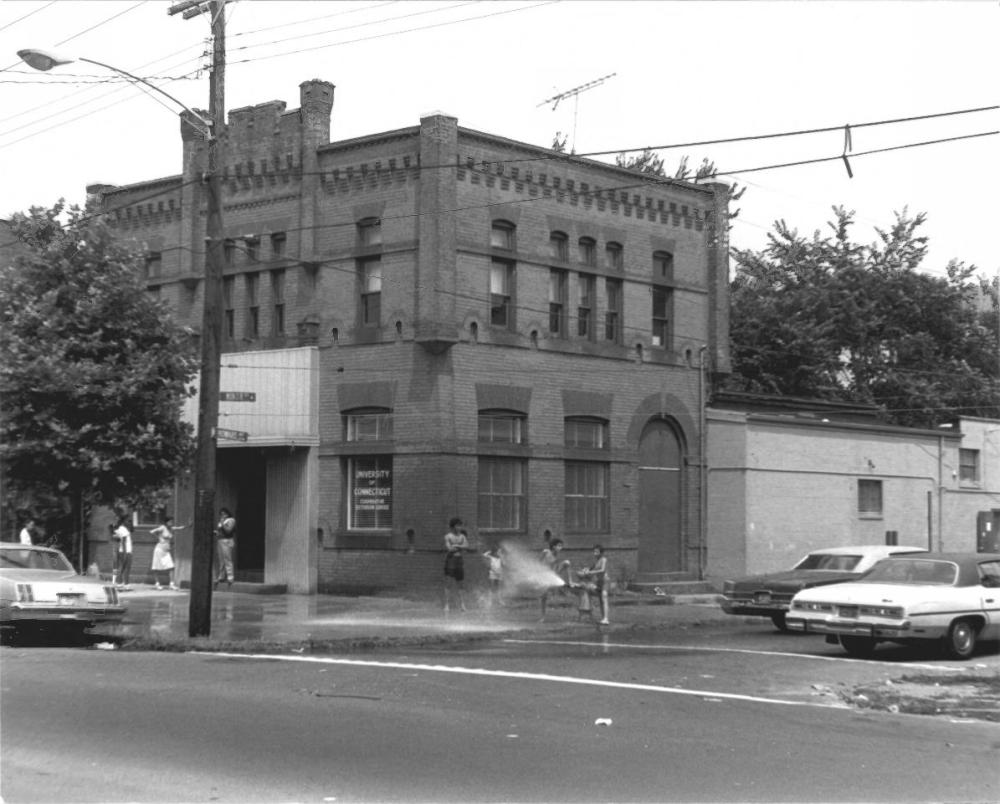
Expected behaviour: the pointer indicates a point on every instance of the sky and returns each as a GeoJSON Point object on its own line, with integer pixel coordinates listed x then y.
{"type": "Point", "coordinates": [675, 73]}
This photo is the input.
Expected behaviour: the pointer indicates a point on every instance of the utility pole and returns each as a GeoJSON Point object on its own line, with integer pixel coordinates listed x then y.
{"type": "Point", "coordinates": [203, 547]}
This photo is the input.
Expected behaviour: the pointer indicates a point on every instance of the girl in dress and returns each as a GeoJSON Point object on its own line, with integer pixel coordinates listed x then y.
{"type": "Point", "coordinates": [163, 553]}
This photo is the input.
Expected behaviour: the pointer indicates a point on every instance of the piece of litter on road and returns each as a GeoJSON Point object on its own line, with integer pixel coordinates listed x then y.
{"type": "Point", "coordinates": [602, 721]}
{"type": "Point", "coordinates": [105, 646]}
{"type": "Point", "coordinates": [511, 736]}
{"type": "Point", "coordinates": [713, 700]}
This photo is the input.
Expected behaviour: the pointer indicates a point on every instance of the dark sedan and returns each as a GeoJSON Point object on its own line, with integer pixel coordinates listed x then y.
{"type": "Point", "coordinates": [771, 595]}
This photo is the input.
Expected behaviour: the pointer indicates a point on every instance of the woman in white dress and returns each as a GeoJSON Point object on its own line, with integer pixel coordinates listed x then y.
{"type": "Point", "coordinates": [163, 553]}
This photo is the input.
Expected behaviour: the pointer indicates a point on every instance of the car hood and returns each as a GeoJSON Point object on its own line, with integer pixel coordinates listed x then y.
{"type": "Point", "coordinates": [791, 579]}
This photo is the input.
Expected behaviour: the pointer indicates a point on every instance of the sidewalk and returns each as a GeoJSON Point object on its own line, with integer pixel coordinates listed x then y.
{"type": "Point", "coordinates": [160, 617]}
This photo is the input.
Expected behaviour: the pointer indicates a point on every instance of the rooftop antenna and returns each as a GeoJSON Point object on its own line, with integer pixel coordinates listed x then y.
{"type": "Point", "coordinates": [575, 94]}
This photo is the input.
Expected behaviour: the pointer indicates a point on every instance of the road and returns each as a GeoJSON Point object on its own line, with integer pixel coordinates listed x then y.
{"type": "Point", "coordinates": [721, 715]}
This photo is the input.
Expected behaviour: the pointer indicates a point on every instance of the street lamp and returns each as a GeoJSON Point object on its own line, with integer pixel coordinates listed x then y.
{"type": "Point", "coordinates": [45, 60]}
{"type": "Point", "coordinates": [203, 547]}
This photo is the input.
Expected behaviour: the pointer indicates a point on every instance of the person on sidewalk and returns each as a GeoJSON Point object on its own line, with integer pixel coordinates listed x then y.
{"type": "Point", "coordinates": [25, 535]}
{"type": "Point", "coordinates": [163, 553]}
{"type": "Point", "coordinates": [494, 565]}
{"type": "Point", "coordinates": [456, 543]}
{"type": "Point", "coordinates": [552, 562]}
{"type": "Point", "coordinates": [225, 541]}
{"type": "Point", "coordinates": [595, 579]}
{"type": "Point", "coordinates": [123, 554]}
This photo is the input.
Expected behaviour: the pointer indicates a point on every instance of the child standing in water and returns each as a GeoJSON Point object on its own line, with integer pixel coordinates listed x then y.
{"type": "Point", "coordinates": [596, 576]}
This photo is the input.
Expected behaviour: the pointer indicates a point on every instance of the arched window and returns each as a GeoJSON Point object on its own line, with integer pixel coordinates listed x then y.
{"type": "Point", "coordinates": [559, 246]}
{"type": "Point", "coordinates": [588, 251]}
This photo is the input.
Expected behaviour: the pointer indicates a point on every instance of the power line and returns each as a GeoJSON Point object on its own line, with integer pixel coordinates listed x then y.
{"type": "Point", "coordinates": [313, 19]}
{"type": "Point", "coordinates": [29, 14]}
{"type": "Point", "coordinates": [394, 33]}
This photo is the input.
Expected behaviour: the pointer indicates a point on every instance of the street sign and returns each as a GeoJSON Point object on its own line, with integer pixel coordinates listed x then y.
{"type": "Point", "coordinates": [237, 396]}
{"type": "Point", "coordinates": [231, 435]}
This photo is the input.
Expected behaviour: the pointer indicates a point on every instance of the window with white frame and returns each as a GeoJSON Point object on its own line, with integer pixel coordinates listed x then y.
{"type": "Point", "coordinates": [613, 313]}
{"type": "Point", "coordinates": [662, 299]}
{"type": "Point", "coordinates": [559, 246]}
{"type": "Point", "coordinates": [253, 305]}
{"type": "Point", "coordinates": [870, 498]}
{"type": "Point", "coordinates": [557, 302]}
{"type": "Point", "coordinates": [501, 293]}
{"type": "Point", "coordinates": [370, 232]}
{"type": "Point", "coordinates": [502, 235]}
{"type": "Point", "coordinates": [370, 280]}
{"type": "Point", "coordinates": [614, 256]}
{"type": "Point", "coordinates": [368, 424]}
{"type": "Point", "coordinates": [501, 493]}
{"type": "Point", "coordinates": [968, 465]}
{"type": "Point", "coordinates": [501, 427]}
{"type": "Point", "coordinates": [587, 499]}
{"type": "Point", "coordinates": [583, 432]}
{"type": "Point", "coordinates": [369, 492]}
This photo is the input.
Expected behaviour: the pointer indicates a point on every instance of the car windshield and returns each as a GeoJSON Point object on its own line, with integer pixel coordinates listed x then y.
{"type": "Point", "coordinates": [28, 558]}
{"type": "Point", "coordinates": [914, 571]}
{"type": "Point", "coordinates": [829, 561]}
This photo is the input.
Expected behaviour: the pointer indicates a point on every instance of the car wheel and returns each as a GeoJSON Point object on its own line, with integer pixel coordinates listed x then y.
{"type": "Point", "coordinates": [858, 647]}
{"type": "Point", "coordinates": [961, 640]}
{"type": "Point", "coordinates": [779, 621]}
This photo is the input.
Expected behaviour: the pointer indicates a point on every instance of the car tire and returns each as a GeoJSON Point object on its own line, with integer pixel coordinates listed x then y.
{"type": "Point", "coordinates": [961, 640]}
{"type": "Point", "coordinates": [858, 646]}
{"type": "Point", "coordinates": [779, 621]}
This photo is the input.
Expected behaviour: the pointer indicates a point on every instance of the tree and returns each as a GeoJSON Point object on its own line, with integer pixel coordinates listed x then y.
{"type": "Point", "coordinates": [829, 318]}
{"type": "Point", "coordinates": [93, 370]}
{"type": "Point", "coordinates": [649, 162]}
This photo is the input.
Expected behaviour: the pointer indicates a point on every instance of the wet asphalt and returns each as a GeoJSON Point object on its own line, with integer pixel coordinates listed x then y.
{"type": "Point", "coordinates": [288, 618]}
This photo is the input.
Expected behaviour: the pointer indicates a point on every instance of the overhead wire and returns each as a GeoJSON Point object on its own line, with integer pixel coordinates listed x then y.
{"type": "Point", "coordinates": [25, 16]}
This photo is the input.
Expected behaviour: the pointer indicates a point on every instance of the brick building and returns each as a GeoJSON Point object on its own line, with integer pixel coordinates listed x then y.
{"type": "Point", "coordinates": [436, 321]}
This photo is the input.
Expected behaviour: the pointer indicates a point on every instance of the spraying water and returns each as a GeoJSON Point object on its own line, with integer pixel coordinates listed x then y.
{"type": "Point", "coordinates": [524, 571]}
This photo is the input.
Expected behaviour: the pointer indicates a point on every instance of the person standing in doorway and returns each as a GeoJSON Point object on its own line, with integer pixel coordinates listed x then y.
{"type": "Point", "coordinates": [163, 553]}
{"type": "Point", "coordinates": [455, 544]}
{"type": "Point", "coordinates": [225, 541]}
{"type": "Point", "coordinates": [123, 554]}
{"type": "Point", "coordinates": [26, 531]}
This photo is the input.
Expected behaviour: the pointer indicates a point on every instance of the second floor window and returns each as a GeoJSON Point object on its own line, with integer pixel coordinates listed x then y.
{"type": "Point", "coordinates": [663, 266]}
{"type": "Point", "coordinates": [613, 315]}
{"type": "Point", "coordinates": [371, 424]}
{"type": "Point", "coordinates": [229, 252]}
{"type": "Point", "coordinates": [585, 433]}
{"type": "Point", "coordinates": [278, 242]}
{"type": "Point", "coordinates": [968, 465]}
{"type": "Point", "coordinates": [588, 251]}
{"type": "Point", "coordinates": [615, 257]}
{"type": "Point", "coordinates": [370, 232]}
{"type": "Point", "coordinates": [501, 284]}
{"type": "Point", "coordinates": [661, 317]}
{"type": "Point", "coordinates": [559, 246]}
{"type": "Point", "coordinates": [501, 427]}
{"type": "Point", "coordinates": [154, 265]}
{"type": "Point", "coordinates": [228, 311]}
{"type": "Point", "coordinates": [370, 277]}
{"type": "Point", "coordinates": [252, 246]}
{"type": "Point", "coordinates": [253, 305]}
{"type": "Point", "coordinates": [278, 298]}
{"type": "Point", "coordinates": [502, 235]}
{"type": "Point", "coordinates": [557, 302]}
{"type": "Point", "coordinates": [585, 308]}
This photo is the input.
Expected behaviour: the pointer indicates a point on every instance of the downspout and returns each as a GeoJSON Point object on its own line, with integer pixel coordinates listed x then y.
{"type": "Point", "coordinates": [703, 468]}
{"type": "Point", "coordinates": [940, 494]}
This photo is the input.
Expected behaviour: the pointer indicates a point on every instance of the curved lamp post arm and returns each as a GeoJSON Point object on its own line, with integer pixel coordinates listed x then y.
{"type": "Point", "coordinates": [44, 60]}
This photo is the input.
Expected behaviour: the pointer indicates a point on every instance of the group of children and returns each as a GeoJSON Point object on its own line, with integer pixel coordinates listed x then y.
{"type": "Point", "coordinates": [588, 583]}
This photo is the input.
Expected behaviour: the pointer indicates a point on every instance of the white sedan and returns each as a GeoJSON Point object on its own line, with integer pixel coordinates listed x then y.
{"type": "Point", "coordinates": [953, 598]}
{"type": "Point", "coordinates": [38, 586]}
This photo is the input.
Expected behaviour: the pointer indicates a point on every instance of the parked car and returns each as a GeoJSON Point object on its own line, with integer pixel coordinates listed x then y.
{"type": "Point", "coordinates": [770, 595]}
{"type": "Point", "coordinates": [39, 586]}
{"type": "Point", "coordinates": [953, 598]}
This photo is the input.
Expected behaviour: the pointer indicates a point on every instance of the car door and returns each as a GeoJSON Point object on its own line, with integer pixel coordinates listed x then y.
{"type": "Point", "coordinates": [989, 588]}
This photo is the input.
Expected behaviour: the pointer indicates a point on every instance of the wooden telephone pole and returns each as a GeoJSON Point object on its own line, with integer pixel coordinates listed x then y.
{"type": "Point", "coordinates": [203, 547]}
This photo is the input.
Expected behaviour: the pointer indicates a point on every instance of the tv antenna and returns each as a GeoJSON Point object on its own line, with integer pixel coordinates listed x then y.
{"type": "Point", "coordinates": [575, 94]}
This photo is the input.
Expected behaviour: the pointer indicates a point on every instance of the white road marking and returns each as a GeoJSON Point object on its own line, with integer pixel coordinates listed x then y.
{"type": "Point", "coordinates": [581, 643]}
{"type": "Point", "coordinates": [709, 695]}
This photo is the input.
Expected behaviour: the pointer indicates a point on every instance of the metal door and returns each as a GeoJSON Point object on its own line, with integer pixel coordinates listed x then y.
{"type": "Point", "coordinates": [660, 495]}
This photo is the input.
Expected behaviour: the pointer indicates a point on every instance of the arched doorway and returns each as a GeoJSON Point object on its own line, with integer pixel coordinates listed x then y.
{"type": "Point", "coordinates": [661, 458]}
